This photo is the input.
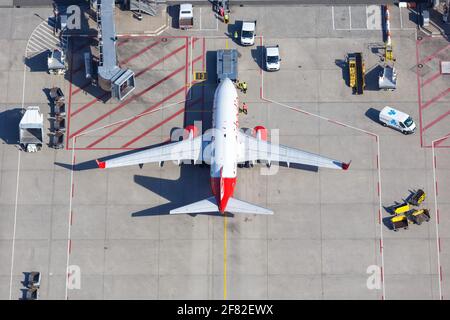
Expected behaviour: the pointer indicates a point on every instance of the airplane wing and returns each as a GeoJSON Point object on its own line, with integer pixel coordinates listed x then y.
{"type": "Point", "coordinates": [189, 149]}
{"type": "Point", "coordinates": [253, 149]}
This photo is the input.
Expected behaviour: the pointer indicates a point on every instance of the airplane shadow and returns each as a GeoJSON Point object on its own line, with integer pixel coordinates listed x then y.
{"type": "Point", "coordinates": [191, 186]}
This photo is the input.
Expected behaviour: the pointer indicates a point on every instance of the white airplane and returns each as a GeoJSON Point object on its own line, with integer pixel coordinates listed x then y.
{"type": "Point", "coordinates": [224, 149]}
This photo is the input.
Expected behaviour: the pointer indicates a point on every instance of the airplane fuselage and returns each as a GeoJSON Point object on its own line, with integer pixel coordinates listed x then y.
{"type": "Point", "coordinates": [224, 142]}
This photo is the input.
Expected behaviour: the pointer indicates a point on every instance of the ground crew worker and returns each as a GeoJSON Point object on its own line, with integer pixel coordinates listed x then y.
{"type": "Point", "coordinates": [244, 108]}
{"type": "Point", "coordinates": [236, 35]}
{"type": "Point", "coordinates": [244, 87]}
{"type": "Point", "coordinates": [221, 11]}
{"type": "Point", "coordinates": [226, 18]}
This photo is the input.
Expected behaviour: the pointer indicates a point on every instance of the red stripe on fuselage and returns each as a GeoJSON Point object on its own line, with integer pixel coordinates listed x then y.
{"type": "Point", "coordinates": [223, 190]}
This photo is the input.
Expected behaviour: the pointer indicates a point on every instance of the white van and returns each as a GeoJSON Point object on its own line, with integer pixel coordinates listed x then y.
{"type": "Point", "coordinates": [248, 33]}
{"type": "Point", "coordinates": [397, 120]}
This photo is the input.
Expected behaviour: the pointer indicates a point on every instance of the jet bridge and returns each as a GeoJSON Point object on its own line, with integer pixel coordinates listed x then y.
{"type": "Point", "coordinates": [120, 82]}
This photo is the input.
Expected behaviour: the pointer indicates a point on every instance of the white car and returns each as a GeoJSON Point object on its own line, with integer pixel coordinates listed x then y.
{"type": "Point", "coordinates": [272, 58]}
{"type": "Point", "coordinates": [248, 33]}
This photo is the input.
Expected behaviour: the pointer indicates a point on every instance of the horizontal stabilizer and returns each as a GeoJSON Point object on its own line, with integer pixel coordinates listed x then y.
{"type": "Point", "coordinates": [206, 205]}
{"type": "Point", "coordinates": [210, 205]}
{"type": "Point", "coordinates": [239, 206]}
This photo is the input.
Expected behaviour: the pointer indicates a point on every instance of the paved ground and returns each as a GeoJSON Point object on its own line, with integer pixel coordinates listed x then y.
{"type": "Point", "coordinates": [328, 232]}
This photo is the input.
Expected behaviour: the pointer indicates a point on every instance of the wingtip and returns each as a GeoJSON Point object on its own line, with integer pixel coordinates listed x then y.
{"type": "Point", "coordinates": [345, 166]}
{"type": "Point", "coordinates": [101, 164]}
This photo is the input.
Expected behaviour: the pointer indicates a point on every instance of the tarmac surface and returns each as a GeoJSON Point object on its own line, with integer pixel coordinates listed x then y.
{"type": "Point", "coordinates": [329, 237]}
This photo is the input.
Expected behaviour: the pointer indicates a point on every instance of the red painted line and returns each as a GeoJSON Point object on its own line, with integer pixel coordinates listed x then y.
{"type": "Point", "coordinates": [81, 88]}
{"type": "Point", "coordinates": [105, 149]}
{"type": "Point", "coordinates": [154, 127]}
{"type": "Point", "coordinates": [382, 274]}
{"type": "Point", "coordinates": [134, 97]}
{"type": "Point", "coordinates": [187, 67]}
{"type": "Point", "coordinates": [121, 43]}
{"type": "Point", "coordinates": [137, 75]}
{"type": "Point", "coordinates": [140, 52]}
{"type": "Point", "coordinates": [434, 162]}
{"type": "Point", "coordinates": [442, 140]}
{"type": "Point", "coordinates": [433, 55]}
{"type": "Point", "coordinates": [381, 246]}
{"type": "Point", "coordinates": [431, 79]}
{"type": "Point", "coordinates": [70, 246]}
{"type": "Point", "coordinates": [127, 101]}
{"type": "Point", "coordinates": [71, 217]}
{"type": "Point", "coordinates": [158, 125]}
{"type": "Point", "coordinates": [338, 123]}
{"type": "Point", "coordinates": [440, 272]}
{"type": "Point", "coordinates": [432, 123]}
{"type": "Point", "coordinates": [439, 96]}
{"type": "Point", "coordinates": [437, 215]}
{"type": "Point", "coordinates": [160, 60]}
{"type": "Point", "coordinates": [379, 216]}
{"type": "Point", "coordinates": [135, 118]}
{"type": "Point", "coordinates": [87, 105]}
{"type": "Point", "coordinates": [204, 70]}
{"type": "Point", "coordinates": [437, 188]}
{"type": "Point", "coordinates": [439, 244]}
{"type": "Point", "coordinates": [378, 188]}
{"type": "Point", "coordinates": [69, 102]}
{"type": "Point", "coordinates": [419, 94]}
{"type": "Point", "coordinates": [73, 190]}
{"type": "Point", "coordinates": [127, 36]}
{"type": "Point", "coordinates": [377, 161]}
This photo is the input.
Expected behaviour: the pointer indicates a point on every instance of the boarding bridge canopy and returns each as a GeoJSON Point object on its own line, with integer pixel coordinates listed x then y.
{"type": "Point", "coordinates": [110, 76]}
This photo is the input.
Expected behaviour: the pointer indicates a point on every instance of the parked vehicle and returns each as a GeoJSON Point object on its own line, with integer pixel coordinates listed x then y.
{"type": "Point", "coordinates": [397, 120]}
{"type": "Point", "coordinates": [248, 33]}
{"type": "Point", "coordinates": [186, 16]}
{"type": "Point", "coordinates": [272, 58]}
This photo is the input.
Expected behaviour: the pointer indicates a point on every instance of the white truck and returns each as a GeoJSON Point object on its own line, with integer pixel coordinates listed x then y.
{"type": "Point", "coordinates": [186, 16]}
{"type": "Point", "coordinates": [397, 120]}
{"type": "Point", "coordinates": [272, 58]}
{"type": "Point", "coordinates": [31, 129]}
{"type": "Point", "coordinates": [248, 33]}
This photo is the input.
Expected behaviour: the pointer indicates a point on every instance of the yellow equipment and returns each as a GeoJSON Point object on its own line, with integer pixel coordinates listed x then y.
{"type": "Point", "coordinates": [388, 53]}
{"type": "Point", "coordinates": [419, 216]}
{"type": "Point", "coordinates": [417, 198]}
{"type": "Point", "coordinates": [401, 208]}
{"type": "Point", "coordinates": [399, 221]}
{"type": "Point", "coordinates": [357, 70]}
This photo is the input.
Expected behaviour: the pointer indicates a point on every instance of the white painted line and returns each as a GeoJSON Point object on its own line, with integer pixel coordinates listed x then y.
{"type": "Point", "coordinates": [352, 29]}
{"type": "Point", "coordinates": [69, 219]}
{"type": "Point", "coordinates": [350, 16]}
{"type": "Point", "coordinates": [373, 13]}
{"type": "Point", "coordinates": [200, 18]}
{"type": "Point", "coordinates": [48, 44]}
{"type": "Point", "coordinates": [367, 18]}
{"type": "Point", "coordinates": [381, 222]}
{"type": "Point", "coordinates": [401, 18]}
{"type": "Point", "coordinates": [436, 219]}
{"type": "Point", "coordinates": [15, 224]}
{"type": "Point", "coordinates": [17, 189]}
{"type": "Point", "coordinates": [332, 17]}
{"type": "Point", "coordinates": [378, 167]}
{"type": "Point", "coordinates": [47, 33]}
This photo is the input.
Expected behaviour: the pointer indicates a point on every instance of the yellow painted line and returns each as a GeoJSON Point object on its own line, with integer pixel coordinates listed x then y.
{"type": "Point", "coordinates": [225, 258]}
{"type": "Point", "coordinates": [226, 44]}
